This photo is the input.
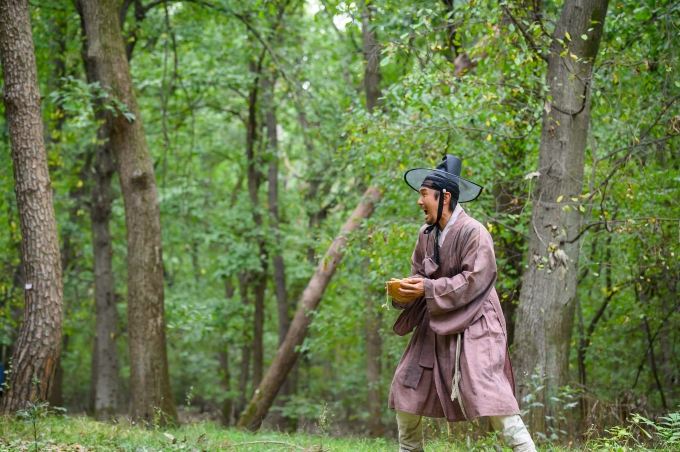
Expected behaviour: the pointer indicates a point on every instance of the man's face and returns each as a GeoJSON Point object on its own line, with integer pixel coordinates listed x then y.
{"type": "Point", "coordinates": [428, 204]}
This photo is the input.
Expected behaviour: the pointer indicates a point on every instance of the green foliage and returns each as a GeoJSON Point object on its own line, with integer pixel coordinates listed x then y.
{"type": "Point", "coordinates": [193, 68]}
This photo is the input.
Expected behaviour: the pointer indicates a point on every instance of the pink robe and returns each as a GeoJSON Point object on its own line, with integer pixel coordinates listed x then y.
{"type": "Point", "coordinates": [459, 297]}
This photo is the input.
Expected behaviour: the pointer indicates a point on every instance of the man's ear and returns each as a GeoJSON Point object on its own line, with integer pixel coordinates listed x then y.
{"type": "Point", "coordinates": [447, 198]}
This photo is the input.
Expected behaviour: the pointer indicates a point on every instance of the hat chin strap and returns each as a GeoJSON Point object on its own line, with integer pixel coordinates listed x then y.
{"type": "Point", "coordinates": [436, 226]}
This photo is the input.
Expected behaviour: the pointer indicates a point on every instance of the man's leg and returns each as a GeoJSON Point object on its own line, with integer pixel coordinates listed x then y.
{"type": "Point", "coordinates": [410, 432]}
{"type": "Point", "coordinates": [513, 432]}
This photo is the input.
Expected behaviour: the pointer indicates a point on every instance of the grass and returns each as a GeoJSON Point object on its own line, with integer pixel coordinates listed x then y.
{"type": "Point", "coordinates": [43, 432]}
{"type": "Point", "coordinates": [80, 433]}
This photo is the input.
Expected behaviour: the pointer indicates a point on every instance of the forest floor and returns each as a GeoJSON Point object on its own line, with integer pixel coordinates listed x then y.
{"type": "Point", "coordinates": [81, 434]}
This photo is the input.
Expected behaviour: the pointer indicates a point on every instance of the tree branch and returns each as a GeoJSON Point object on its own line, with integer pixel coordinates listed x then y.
{"type": "Point", "coordinates": [525, 34]}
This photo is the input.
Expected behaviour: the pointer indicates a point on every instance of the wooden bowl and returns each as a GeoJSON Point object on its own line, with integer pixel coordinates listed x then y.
{"type": "Point", "coordinates": [392, 288]}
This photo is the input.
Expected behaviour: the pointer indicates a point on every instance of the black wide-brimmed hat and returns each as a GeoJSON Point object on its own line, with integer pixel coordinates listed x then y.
{"type": "Point", "coordinates": [445, 176]}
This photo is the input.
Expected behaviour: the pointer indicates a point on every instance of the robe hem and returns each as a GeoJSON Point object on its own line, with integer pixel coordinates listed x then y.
{"type": "Point", "coordinates": [437, 416]}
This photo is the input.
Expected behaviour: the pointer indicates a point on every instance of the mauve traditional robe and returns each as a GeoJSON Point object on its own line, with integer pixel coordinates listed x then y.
{"type": "Point", "coordinates": [459, 297]}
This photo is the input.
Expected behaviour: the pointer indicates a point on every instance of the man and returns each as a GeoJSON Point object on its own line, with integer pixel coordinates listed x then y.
{"type": "Point", "coordinates": [457, 363]}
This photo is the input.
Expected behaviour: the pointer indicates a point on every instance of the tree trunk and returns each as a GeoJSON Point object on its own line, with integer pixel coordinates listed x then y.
{"type": "Point", "coordinates": [545, 315]}
{"type": "Point", "coordinates": [372, 79]}
{"type": "Point", "coordinates": [509, 248]}
{"type": "Point", "coordinates": [105, 375]}
{"type": "Point", "coordinates": [56, 398]}
{"type": "Point", "coordinates": [268, 85]}
{"type": "Point", "coordinates": [372, 55]}
{"type": "Point", "coordinates": [52, 129]}
{"type": "Point", "coordinates": [225, 375]}
{"type": "Point", "coordinates": [34, 361]}
{"type": "Point", "coordinates": [149, 378]}
{"type": "Point", "coordinates": [258, 328]}
{"type": "Point", "coordinates": [254, 182]}
{"type": "Point", "coordinates": [273, 198]}
{"type": "Point", "coordinates": [104, 379]}
{"type": "Point", "coordinates": [244, 372]}
{"type": "Point", "coordinates": [287, 353]}
{"type": "Point", "coordinates": [373, 366]}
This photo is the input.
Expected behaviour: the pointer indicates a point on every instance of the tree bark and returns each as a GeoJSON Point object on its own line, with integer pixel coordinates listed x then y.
{"type": "Point", "coordinates": [225, 377]}
{"type": "Point", "coordinates": [268, 89]}
{"type": "Point", "coordinates": [104, 379]}
{"type": "Point", "coordinates": [373, 366]}
{"type": "Point", "coordinates": [105, 375]}
{"type": "Point", "coordinates": [545, 315]}
{"type": "Point", "coordinates": [149, 378]}
{"type": "Point", "coordinates": [52, 130]}
{"type": "Point", "coordinates": [254, 181]}
{"type": "Point", "coordinates": [34, 361]}
{"type": "Point", "coordinates": [287, 353]}
{"type": "Point", "coordinates": [372, 74]}
{"type": "Point", "coordinates": [273, 198]}
{"type": "Point", "coordinates": [372, 79]}
{"type": "Point", "coordinates": [244, 371]}
{"type": "Point", "coordinates": [509, 248]}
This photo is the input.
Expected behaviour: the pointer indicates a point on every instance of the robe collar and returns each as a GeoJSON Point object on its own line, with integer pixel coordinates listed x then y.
{"type": "Point", "coordinates": [454, 217]}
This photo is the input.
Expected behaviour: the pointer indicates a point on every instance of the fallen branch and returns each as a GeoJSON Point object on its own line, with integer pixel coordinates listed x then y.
{"type": "Point", "coordinates": [287, 353]}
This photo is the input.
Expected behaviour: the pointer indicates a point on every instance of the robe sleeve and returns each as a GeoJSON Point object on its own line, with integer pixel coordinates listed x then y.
{"type": "Point", "coordinates": [411, 317]}
{"type": "Point", "coordinates": [413, 310]}
{"type": "Point", "coordinates": [476, 279]}
{"type": "Point", "coordinates": [416, 268]}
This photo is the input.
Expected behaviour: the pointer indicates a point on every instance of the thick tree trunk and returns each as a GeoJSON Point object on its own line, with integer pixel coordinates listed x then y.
{"type": "Point", "coordinates": [104, 378]}
{"type": "Point", "coordinates": [34, 361]}
{"type": "Point", "coordinates": [287, 353]}
{"type": "Point", "coordinates": [149, 378]}
{"type": "Point", "coordinates": [545, 314]}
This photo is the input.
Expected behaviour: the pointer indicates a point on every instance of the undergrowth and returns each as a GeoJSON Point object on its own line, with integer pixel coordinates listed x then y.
{"type": "Point", "coordinates": [34, 430]}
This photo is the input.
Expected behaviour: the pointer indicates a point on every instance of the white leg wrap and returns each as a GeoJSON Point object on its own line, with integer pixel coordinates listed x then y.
{"type": "Point", "coordinates": [513, 432]}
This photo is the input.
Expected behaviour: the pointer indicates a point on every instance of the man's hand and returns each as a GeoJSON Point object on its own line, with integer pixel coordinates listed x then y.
{"type": "Point", "coordinates": [412, 288]}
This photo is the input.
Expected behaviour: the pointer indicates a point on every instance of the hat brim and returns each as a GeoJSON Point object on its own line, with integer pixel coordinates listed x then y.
{"type": "Point", "coordinates": [469, 191]}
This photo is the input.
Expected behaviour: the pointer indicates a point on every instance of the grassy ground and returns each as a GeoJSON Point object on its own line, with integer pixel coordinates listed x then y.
{"type": "Point", "coordinates": [82, 434]}
{"type": "Point", "coordinates": [79, 433]}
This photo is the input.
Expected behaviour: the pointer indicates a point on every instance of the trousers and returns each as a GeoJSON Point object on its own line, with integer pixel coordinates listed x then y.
{"type": "Point", "coordinates": [512, 431]}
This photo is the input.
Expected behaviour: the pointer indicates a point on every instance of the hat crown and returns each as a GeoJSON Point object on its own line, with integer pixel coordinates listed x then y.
{"type": "Point", "coordinates": [451, 164]}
